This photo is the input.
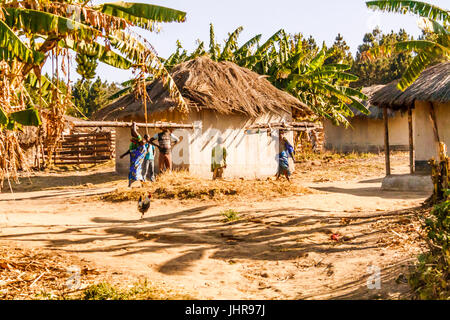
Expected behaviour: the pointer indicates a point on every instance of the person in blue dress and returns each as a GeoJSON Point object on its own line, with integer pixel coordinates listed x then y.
{"type": "Point", "coordinates": [283, 157]}
{"type": "Point", "coordinates": [137, 156]}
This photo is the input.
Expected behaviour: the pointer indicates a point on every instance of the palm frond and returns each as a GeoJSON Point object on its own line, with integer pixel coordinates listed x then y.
{"type": "Point", "coordinates": [142, 14]}
{"type": "Point", "coordinates": [12, 47]}
{"type": "Point", "coordinates": [420, 8]}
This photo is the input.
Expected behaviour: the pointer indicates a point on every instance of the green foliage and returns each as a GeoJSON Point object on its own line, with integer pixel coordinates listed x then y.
{"type": "Point", "coordinates": [431, 278]}
{"type": "Point", "coordinates": [384, 69]}
{"type": "Point", "coordinates": [91, 96]}
{"type": "Point", "coordinates": [12, 47]}
{"type": "Point", "coordinates": [27, 117]}
{"type": "Point", "coordinates": [340, 52]}
{"type": "Point", "coordinates": [230, 215]}
{"type": "Point", "coordinates": [438, 226]}
{"type": "Point", "coordinates": [434, 20]}
{"type": "Point", "coordinates": [29, 32]}
{"type": "Point", "coordinates": [14, 120]}
{"type": "Point", "coordinates": [142, 14]}
{"type": "Point", "coordinates": [141, 290]}
{"type": "Point", "coordinates": [423, 9]}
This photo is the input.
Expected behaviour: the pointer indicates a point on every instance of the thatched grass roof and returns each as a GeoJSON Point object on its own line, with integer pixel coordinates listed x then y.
{"type": "Point", "coordinates": [221, 86]}
{"type": "Point", "coordinates": [433, 85]}
{"type": "Point", "coordinates": [375, 112]}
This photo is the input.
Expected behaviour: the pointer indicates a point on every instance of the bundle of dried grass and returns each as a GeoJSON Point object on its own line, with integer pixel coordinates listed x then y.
{"type": "Point", "coordinates": [11, 155]}
{"type": "Point", "coordinates": [205, 84]}
{"type": "Point", "coordinates": [182, 185]}
{"type": "Point", "coordinates": [35, 274]}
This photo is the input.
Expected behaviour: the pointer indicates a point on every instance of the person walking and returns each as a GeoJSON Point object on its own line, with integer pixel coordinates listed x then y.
{"type": "Point", "coordinates": [287, 150]}
{"type": "Point", "coordinates": [166, 141]}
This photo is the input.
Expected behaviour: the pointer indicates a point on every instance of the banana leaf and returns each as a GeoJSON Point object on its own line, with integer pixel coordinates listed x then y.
{"type": "Point", "coordinates": [44, 23]}
{"type": "Point", "coordinates": [12, 47]}
{"type": "Point", "coordinates": [3, 118]}
{"type": "Point", "coordinates": [141, 14]}
{"type": "Point", "coordinates": [231, 42]}
{"type": "Point", "coordinates": [100, 52]}
{"type": "Point", "coordinates": [417, 66]}
{"type": "Point", "coordinates": [28, 117]}
{"type": "Point", "coordinates": [420, 8]}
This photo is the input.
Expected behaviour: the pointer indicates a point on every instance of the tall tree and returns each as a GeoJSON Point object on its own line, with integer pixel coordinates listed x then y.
{"type": "Point", "coordinates": [386, 68]}
{"type": "Point", "coordinates": [91, 96]}
{"type": "Point", "coordinates": [341, 52]}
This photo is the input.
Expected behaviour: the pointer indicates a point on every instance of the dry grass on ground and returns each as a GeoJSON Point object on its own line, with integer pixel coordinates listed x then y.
{"type": "Point", "coordinates": [183, 186]}
{"type": "Point", "coordinates": [318, 168]}
{"type": "Point", "coordinates": [325, 167]}
{"type": "Point", "coordinates": [33, 274]}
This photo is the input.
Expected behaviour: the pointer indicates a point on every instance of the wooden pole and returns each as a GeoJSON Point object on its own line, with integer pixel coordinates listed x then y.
{"type": "Point", "coordinates": [411, 142]}
{"type": "Point", "coordinates": [113, 124]}
{"type": "Point", "coordinates": [285, 125]}
{"type": "Point", "coordinates": [387, 148]}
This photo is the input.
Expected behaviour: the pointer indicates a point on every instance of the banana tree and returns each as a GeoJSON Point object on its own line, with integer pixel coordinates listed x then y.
{"type": "Point", "coordinates": [33, 32]}
{"type": "Point", "coordinates": [292, 63]}
{"type": "Point", "coordinates": [30, 31]}
{"type": "Point", "coordinates": [434, 20]}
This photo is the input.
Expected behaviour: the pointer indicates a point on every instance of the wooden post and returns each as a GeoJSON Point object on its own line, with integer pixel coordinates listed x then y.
{"type": "Point", "coordinates": [411, 142]}
{"type": "Point", "coordinates": [387, 148]}
{"type": "Point", "coordinates": [434, 122]}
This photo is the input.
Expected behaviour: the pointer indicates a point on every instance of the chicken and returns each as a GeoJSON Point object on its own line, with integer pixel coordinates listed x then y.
{"type": "Point", "coordinates": [144, 204]}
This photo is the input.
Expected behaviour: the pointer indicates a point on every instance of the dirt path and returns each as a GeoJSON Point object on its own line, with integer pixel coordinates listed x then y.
{"type": "Point", "coordinates": [279, 249]}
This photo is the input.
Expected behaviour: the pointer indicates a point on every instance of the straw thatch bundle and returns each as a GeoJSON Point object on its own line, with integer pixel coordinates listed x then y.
{"type": "Point", "coordinates": [221, 86]}
{"type": "Point", "coordinates": [433, 85]}
{"type": "Point", "coordinates": [375, 112]}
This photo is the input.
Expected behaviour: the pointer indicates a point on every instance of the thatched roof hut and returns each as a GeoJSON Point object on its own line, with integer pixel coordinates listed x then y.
{"type": "Point", "coordinates": [225, 101]}
{"type": "Point", "coordinates": [205, 84]}
{"type": "Point", "coordinates": [433, 85]}
{"type": "Point", "coordinates": [427, 103]}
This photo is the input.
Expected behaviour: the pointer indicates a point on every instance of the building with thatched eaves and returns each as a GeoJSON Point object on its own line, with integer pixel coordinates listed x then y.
{"type": "Point", "coordinates": [224, 100]}
{"type": "Point", "coordinates": [427, 103]}
{"type": "Point", "coordinates": [366, 132]}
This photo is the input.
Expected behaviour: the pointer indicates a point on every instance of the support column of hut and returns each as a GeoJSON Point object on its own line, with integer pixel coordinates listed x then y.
{"type": "Point", "coordinates": [387, 148]}
{"type": "Point", "coordinates": [411, 142]}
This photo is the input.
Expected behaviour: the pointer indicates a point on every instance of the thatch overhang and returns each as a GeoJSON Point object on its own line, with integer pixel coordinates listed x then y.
{"type": "Point", "coordinates": [205, 84]}
{"type": "Point", "coordinates": [433, 85]}
{"type": "Point", "coordinates": [376, 113]}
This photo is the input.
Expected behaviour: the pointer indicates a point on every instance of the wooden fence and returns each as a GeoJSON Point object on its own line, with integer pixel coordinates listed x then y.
{"type": "Point", "coordinates": [85, 148]}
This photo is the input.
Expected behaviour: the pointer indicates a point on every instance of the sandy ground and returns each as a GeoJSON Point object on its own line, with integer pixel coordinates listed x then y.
{"type": "Point", "coordinates": [279, 249]}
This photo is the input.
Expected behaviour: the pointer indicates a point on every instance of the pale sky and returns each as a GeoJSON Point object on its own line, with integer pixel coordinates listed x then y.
{"type": "Point", "coordinates": [323, 19]}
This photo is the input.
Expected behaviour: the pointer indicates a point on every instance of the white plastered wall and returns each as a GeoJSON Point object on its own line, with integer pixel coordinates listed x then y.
{"type": "Point", "coordinates": [367, 135]}
{"type": "Point", "coordinates": [251, 153]}
{"type": "Point", "coordinates": [425, 141]}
